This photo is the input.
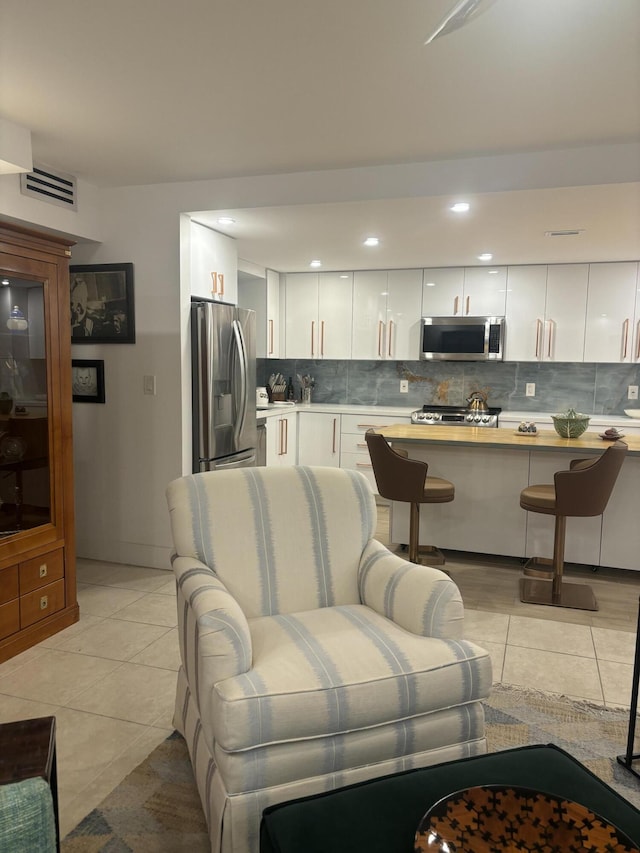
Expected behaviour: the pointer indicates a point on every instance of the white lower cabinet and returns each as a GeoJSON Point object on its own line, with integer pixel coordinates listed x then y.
{"type": "Point", "coordinates": [282, 439]}
{"type": "Point", "coordinates": [354, 452]}
{"type": "Point", "coordinates": [318, 439]}
{"type": "Point", "coordinates": [620, 547]}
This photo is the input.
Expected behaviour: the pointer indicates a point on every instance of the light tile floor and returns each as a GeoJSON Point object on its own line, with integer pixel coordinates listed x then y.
{"type": "Point", "coordinates": [110, 679]}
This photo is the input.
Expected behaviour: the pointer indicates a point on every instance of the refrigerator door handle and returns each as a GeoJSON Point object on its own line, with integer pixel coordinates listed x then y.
{"type": "Point", "coordinates": [238, 337]}
{"type": "Point", "coordinates": [206, 381]}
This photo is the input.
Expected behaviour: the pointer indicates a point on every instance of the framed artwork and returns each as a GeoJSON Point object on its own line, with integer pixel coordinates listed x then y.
{"type": "Point", "coordinates": [102, 307]}
{"type": "Point", "coordinates": [87, 380]}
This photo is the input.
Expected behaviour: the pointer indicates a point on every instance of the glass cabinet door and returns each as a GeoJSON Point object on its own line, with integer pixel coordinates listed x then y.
{"type": "Point", "coordinates": [25, 477]}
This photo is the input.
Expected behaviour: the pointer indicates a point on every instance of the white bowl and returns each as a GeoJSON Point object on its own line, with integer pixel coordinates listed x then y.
{"type": "Point", "coordinates": [633, 413]}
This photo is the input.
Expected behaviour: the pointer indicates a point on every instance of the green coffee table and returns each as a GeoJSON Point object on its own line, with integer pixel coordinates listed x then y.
{"type": "Point", "coordinates": [382, 815]}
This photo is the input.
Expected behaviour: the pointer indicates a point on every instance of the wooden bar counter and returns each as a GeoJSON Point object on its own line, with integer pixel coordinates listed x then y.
{"type": "Point", "coordinates": [489, 468]}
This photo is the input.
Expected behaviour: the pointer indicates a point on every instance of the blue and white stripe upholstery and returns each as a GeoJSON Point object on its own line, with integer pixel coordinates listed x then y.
{"type": "Point", "coordinates": [312, 657]}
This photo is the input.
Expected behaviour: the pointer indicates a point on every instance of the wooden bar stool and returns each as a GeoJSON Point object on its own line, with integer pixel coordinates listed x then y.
{"type": "Point", "coordinates": [582, 491]}
{"type": "Point", "coordinates": [402, 479]}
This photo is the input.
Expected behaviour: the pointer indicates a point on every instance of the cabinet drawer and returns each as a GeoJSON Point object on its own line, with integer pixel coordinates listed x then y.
{"type": "Point", "coordinates": [8, 584]}
{"type": "Point", "coordinates": [361, 423]}
{"type": "Point", "coordinates": [41, 571]}
{"type": "Point", "coordinates": [358, 462]}
{"type": "Point", "coordinates": [41, 603]}
{"type": "Point", "coordinates": [353, 443]}
{"type": "Point", "coordinates": [9, 618]}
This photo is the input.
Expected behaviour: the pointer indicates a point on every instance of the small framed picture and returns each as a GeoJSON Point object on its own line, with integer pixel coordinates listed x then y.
{"type": "Point", "coordinates": [102, 306]}
{"type": "Point", "coordinates": [87, 380]}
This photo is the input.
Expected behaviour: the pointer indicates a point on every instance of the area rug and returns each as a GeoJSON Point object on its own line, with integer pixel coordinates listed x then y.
{"type": "Point", "coordinates": [156, 809]}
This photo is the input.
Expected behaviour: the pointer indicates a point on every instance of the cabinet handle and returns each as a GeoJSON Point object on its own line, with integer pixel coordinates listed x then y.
{"type": "Point", "coordinates": [380, 326]}
{"type": "Point", "coordinates": [322, 337]}
{"type": "Point", "coordinates": [391, 325]}
{"type": "Point", "coordinates": [313, 332]}
{"type": "Point", "coordinates": [43, 570]}
{"type": "Point", "coordinates": [270, 337]}
{"type": "Point", "coordinates": [539, 336]}
{"type": "Point", "coordinates": [221, 283]}
{"type": "Point", "coordinates": [638, 340]}
{"type": "Point", "coordinates": [333, 447]}
{"type": "Point", "coordinates": [214, 283]}
{"type": "Point", "coordinates": [550, 338]}
{"type": "Point", "coordinates": [359, 444]}
{"type": "Point", "coordinates": [467, 303]}
{"type": "Point", "coordinates": [286, 436]}
{"type": "Point", "coordinates": [281, 436]}
{"type": "Point", "coordinates": [44, 602]}
{"type": "Point", "coordinates": [370, 426]}
{"type": "Point", "coordinates": [625, 331]}
{"type": "Point", "coordinates": [455, 304]}
{"type": "Point", "coordinates": [364, 465]}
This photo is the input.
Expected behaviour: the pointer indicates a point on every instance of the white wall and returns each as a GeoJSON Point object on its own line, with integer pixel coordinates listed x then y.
{"type": "Point", "coordinates": [128, 450]}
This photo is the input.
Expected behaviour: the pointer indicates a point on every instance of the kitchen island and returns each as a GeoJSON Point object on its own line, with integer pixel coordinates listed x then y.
{"type": "Point", "coordinates": [489, 468]}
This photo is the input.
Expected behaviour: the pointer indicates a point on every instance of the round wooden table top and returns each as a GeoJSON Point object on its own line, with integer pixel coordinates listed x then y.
{"type": "Point", "coordinates": [491, 818]}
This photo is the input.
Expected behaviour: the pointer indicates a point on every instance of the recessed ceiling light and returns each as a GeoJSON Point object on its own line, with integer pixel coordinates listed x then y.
{"type": "Point", "coordinates": [485, 256]}
{"type": "Point", "coordinates": [372, 241]}
{"type": "Point", "coordinates": [493, 272]}
{"type": "Point", "coordinates": [430, 283]}
{"type": "Point", "coordinates": [5, 282]}
{"type": "Point", "coordinates": [344, 275]}
{"type": "Point", "coordinates": [460, 207]}
{"type": "Point", "coordinates": [315, 263]}
{"type": "Point", "coordinates": [226, 220]}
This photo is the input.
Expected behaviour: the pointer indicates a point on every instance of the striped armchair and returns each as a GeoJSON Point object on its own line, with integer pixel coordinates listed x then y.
{"type": "Point", "coordinates": [312, 657]}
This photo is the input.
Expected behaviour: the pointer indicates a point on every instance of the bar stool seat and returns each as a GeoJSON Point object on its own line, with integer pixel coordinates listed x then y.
{"type": "Point", "coordinates": [582, 491]}
{"type": "Point", "coordinates": [402, 479]}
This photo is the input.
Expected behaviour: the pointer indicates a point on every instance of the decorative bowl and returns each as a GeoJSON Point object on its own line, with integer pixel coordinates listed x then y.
{"type": "Point", "coordinates": [571, 424]}
{"type": "Point", "coordinates": [632, 413]}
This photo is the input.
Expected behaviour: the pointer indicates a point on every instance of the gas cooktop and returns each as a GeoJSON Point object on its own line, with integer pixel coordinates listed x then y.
{"type": "Point", "coordinates": [455, 416]}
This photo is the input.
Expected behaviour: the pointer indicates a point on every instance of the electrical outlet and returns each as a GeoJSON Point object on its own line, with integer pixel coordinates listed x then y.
{"type": "Point", "coordinates": [530, 389]}
{"type": "Point", "coordinates": [632, 392]}
{"type": "Point", "coordinates": [404, 386]}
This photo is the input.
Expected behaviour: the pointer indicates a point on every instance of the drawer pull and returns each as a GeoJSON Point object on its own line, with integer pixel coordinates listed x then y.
{"type": "Point", "coordinates": [371, 426]}
{"type": "Point", "coordinates": [43, 570]}
{"type": "Point", "coordinates": [44, 602]}
{"type": "Point", "coordinates": [364, 465]}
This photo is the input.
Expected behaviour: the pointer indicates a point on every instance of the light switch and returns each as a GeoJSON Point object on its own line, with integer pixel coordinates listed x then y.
{"type": "Point", "coordinates": [530, 389]}
{"type": "Point", "coordinates": [149, 385]}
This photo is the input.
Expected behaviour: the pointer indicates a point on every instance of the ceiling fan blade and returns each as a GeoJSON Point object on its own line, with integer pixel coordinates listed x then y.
{"type": "Point", "coordinates": [458, 16]}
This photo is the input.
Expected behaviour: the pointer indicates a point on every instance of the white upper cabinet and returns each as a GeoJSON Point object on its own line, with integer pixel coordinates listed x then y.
{"type": "Point", "coordinates": [524, 319]}
{"type": "Point", "coordinates": [469, 292]}
{"type": "Point", "coordinates": [442, 291]}
{"type": "Point", "coordinates": [485, 292]}
{"type": "Point", "coordinates": [565, 314]}
{"type": "Point", "coordinates": [386, 314]}
{"type": "Point", "coordinates": [545, 313]}
{"type": "Point", "coordinates": [213, 261]}
{"type": "Point", "coordinates": [318, 315]}
{"type": "Point", "coordinates": [613, 313]}
{"type": "Point", "coordinates": [262, 295]}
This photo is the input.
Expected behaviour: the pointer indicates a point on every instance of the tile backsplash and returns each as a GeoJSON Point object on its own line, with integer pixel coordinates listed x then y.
{"type": "Point", "coordinates": [590, 388]}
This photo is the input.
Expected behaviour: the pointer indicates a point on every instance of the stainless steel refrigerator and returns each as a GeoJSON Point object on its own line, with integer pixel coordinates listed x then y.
{"type": "Point", "coordinates": [223, 352]}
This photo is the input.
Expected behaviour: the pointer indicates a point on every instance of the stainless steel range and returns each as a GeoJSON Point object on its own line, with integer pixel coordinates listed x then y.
{"type": "Point", "coordinates": [455, 416]}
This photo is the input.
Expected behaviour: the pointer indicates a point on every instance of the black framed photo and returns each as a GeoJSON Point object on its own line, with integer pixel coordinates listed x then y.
{"type": "Point", "coordinates": [102, 306]}
{"type": "Point", "coordinates": [87, 380]}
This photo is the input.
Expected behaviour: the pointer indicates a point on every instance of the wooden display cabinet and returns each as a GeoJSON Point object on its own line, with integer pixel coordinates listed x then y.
{"type": "Point", "coordinates": [37, 542]}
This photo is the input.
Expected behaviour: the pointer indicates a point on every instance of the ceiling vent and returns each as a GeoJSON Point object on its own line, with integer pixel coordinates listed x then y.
{"type": "Point", "coordinates": [570, 232]}
{"type": "Point", "coordinates": [48, 185]}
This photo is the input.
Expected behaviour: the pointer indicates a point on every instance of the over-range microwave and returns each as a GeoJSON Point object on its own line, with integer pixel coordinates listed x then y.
{"type": "Point", "coordinates": [462, 338]}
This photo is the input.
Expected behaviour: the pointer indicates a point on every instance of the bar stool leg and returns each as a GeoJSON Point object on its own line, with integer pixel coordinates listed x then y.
{"type": "Point", "coordinates": [414, 532]}
{"type": "Point", "coordinates": [558, 558]}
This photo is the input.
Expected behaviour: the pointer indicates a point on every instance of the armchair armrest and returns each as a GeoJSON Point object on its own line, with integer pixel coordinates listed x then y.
{"type": "Point", "coordinates": [214, 633]}
{"type": "Point", "coordinates": [420, 599]}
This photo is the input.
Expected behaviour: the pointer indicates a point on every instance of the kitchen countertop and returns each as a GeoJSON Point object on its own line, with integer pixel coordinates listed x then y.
{"type": "Point", "coordinates": [503, 437]}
